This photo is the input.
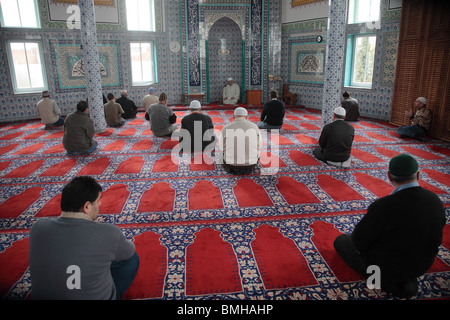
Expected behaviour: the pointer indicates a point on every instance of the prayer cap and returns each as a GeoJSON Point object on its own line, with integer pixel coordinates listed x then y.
{"type": "Point", "coordinates": [239, 111]}
{"type": "Point", "coordinates": [230, 79]}
{"type": "Point", "coordinates": [403, 165]}
{"type": "Point", "coordinates": [339, 111]}
{"type": "Point", "coordinates": [195, 105]}
{"type": "Point", "coordinates": [45, 93]}
{"type": "Point", "coordinates": [422, 99]}
{"type": "Point", "coordinates": [151, 90]}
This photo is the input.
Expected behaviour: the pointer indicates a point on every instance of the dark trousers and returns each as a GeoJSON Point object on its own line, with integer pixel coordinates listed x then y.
{"type": "Point", "coordinates": [123, 274]}
{"type": "Point", "coordinates": [344, 246]}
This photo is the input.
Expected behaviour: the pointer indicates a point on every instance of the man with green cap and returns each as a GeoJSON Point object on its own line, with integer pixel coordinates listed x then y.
{"type": "Point", "coordinates": [400, 233]}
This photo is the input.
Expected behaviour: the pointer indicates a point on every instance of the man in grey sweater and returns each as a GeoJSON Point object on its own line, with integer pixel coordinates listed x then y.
{"type": "Point", "coordinates": [74, 257]}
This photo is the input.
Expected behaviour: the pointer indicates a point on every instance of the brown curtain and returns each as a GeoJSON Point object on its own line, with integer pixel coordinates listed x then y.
{"type": "Point", "coordinates": [423, 63]}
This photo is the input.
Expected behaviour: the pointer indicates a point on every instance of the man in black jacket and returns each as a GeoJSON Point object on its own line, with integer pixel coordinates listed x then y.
{"type": "Point", "coordinates": [400, 233]}
{"type": "Point", "coordinates": [273, 113]}
{"type": "Point", "coordinates": [197, 130]}
{"type": "Point", "coordinates": [336, 139]}
{"type": "Point", "coordinates": [128, 105]}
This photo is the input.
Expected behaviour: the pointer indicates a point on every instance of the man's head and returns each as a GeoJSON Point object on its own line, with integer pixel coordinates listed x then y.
{"type": "Point", "coordinates": [124, 93]}
{"type": "Point", "coordinates": [45, 94]}
{"type": "Point", "coordinates": [110, 96]}
{"type": "Point", "coordinates": [163, 97]}
{"type": "Point", "coordinates": [346, 95]}
{"type": "Point", "coordinates": [339, 113]}
{"type": "Point", "coordinates": [273, 94]}
{"type": "Point", "coordinates": [420, 102]}
{"type": "Point", "coordinates": [240, 112]}
{"type": "Point", "coordinates": [403, 169]}
{"type": "Point", "coordinates": [82, 194]}
{"type": "Point", "coordinates": [230, 81]}
{"type": "Point", "coordinates": [195, 105]}
{"type": "Point", "coordinates": [82, 106]}
{"type": "Point", "coordinates": [151, 90]}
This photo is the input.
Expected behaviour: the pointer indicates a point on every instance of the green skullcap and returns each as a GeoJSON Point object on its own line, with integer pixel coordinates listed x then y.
{"type": "Point", "coordinates": [403, 165]}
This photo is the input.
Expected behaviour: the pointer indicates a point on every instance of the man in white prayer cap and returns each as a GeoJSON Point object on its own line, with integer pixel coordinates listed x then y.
{"type": "Point", "coordinates": [241, 142]}
{"type": "Point", "coordinates": [335, 142]}
{"type": "Point", "coordinates": [420, 121]}
{"type": "Point", "coordinates": [231, 93]}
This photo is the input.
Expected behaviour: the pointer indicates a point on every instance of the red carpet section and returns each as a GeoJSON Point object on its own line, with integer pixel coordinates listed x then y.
{"type": "Point", "coordinates": [203, 233]}
{"type": "Point", "coordinates": [280, 262]}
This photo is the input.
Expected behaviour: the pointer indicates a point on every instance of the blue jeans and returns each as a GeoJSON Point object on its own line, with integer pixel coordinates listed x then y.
{"type": "Point", "coordinates": [414, 132]}
{"type": "Point", "coordinates": [93, 147]}
{"type": "Point", "coordinates": [58, 123]}
{"type": "Point", "coordinates": [123, 273]}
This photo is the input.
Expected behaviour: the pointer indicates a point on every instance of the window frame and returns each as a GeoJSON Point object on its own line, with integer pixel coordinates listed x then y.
{"type": "Point", "coordinates": [12, 70]}
{"type": "Point", "coordinates": [36, 14]}
{"type": "Point", "coordinates": [350, 62]}
{"type": "Point", "coordinates": [154, 61]}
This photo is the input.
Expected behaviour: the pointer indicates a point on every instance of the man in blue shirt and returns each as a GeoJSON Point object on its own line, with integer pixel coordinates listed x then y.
{"type": "Point", "coordinates": [400, 233]}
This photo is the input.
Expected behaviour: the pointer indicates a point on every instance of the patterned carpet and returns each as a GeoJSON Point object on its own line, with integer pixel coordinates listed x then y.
{"type": "Point", "coordinates": [202, 233]}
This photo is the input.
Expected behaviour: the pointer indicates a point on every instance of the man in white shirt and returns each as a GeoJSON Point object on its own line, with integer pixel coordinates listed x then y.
{"type": "Point", "coordinates": [49, 112]}
{"type": "Point", "coordinates": [231, 93]}
{"type": "Point", "coordinates": [240, 142]}
{"type": "Point", "coordinates": [150, 99]}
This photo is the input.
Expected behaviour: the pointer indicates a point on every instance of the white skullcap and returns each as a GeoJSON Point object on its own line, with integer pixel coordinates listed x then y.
{"type": "Point", "coordinates": [339, 111]}
{"type": "Point", "coordinates": [240, 112]}
{"type": "Point", "coordinates": [230, 79]}
{"type": "Point", "coordinates": [195, 105]}
{"type": "Point", "coordinates": [422, 99]}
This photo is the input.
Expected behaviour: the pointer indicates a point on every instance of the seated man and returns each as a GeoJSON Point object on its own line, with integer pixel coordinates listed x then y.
{"type": "Point", "coordinates": [351, 107]}
{"type": "Point", "coordinates": [162, 118]}
{"type": "Point", "coordinates": [198, 130]}
{"type": "Point", "coordinates": [240, 142]}
{"type": "Point", "coordinates": [73, 257]}
{"type": "Point", "coordinates": [128, 106]}
{"type": "Point", "coordinates": [400, 233]}
{"type": "Point", "coordinates": [113, 112]}
{"type": "Point", "coordinates": [273, 113]}
{"type": "Point", "coordinates": [335, 141]}
{"type": "Point", "coordinates": [150, 98]}
{"type": "Point", "coordinates": [79, 132]}
{"type": "Point", "coordinates": [420, 121]}
{"type": "Point", "coordinates": [49, 112]}
{"type": "Point", "coordinates": [231, 93]}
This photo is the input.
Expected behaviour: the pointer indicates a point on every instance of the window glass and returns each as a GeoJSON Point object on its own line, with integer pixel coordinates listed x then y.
{"type": "Point", "coordinates": [363, 60]}
{"type": "Point", "coordinates": [140, 15]}
{"type": "Point", "coordinates": [19, 13]}
{"type": "Point", "coordinates": [363, 11]}
{"type": "Point", "coordinates": [27, 67]}
{"type": "Point", "coordinates": [142, 63]}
